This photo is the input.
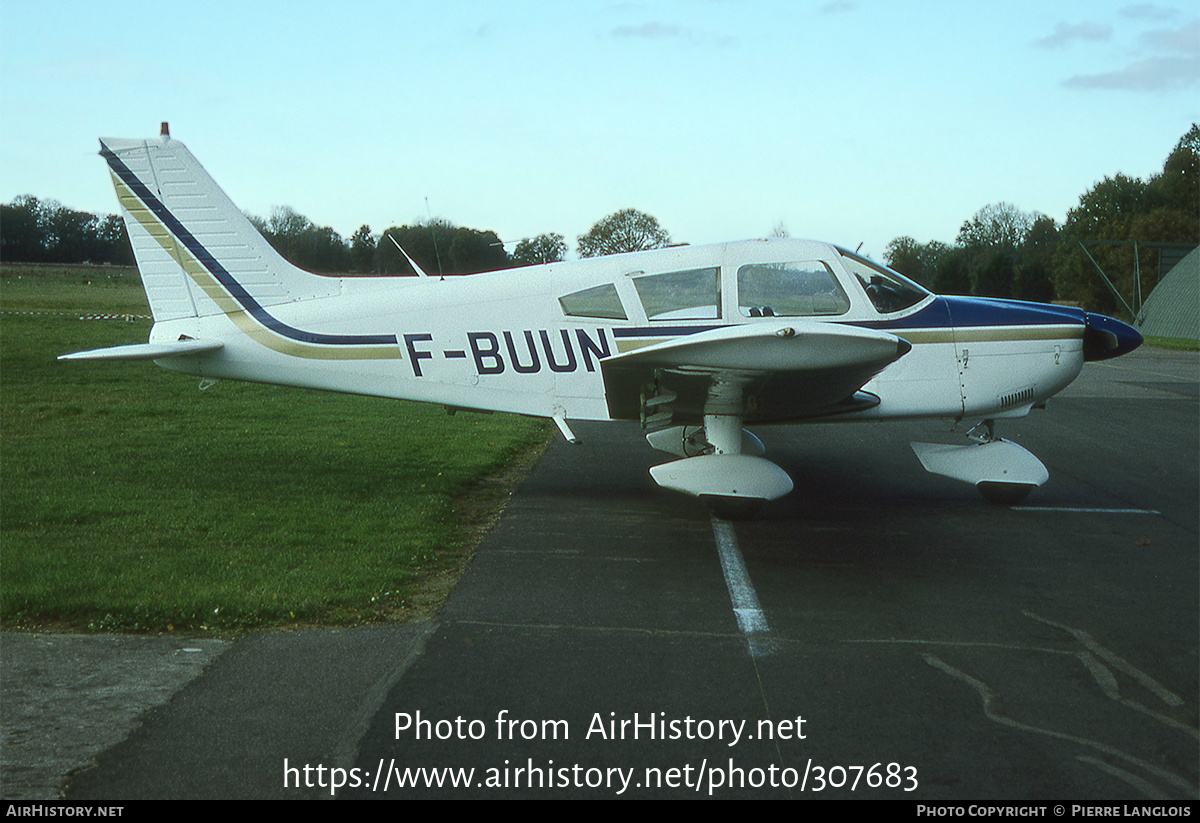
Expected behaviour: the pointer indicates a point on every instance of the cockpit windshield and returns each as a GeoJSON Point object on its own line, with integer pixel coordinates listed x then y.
{"type": "Point", "coordinates": [889, 291]}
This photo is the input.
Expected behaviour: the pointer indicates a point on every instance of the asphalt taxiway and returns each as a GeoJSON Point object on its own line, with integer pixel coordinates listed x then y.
{"type": "Point", "coordinates": [880, 632]}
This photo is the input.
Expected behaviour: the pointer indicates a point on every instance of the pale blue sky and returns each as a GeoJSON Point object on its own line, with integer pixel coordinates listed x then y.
{"type": "Point", "coordinates": [849, 121]}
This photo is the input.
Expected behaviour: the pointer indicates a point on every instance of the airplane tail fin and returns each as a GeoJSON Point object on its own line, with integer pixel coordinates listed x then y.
{"type": "Point", "coordinates": [198, 255]}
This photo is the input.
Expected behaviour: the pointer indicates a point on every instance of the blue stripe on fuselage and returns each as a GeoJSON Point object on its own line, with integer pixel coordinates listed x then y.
{"type": "Point", "coordinates": [662, 331]}
{"type": "Point", "coordinates": [950, 311]}
{"type": "Point", "coordinates": [993, 311]}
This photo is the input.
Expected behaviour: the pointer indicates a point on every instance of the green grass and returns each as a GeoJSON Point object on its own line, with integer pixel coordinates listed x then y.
{"type": "Point", "coordinates": [131, 500]}
{"type": "Point", "coordinates": [1173, 343]}
{"type": "Point", "coordinates": [82, 289]}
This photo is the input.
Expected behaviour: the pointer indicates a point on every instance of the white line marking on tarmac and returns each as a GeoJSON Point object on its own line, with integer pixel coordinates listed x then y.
{"type": "Point", "coordinates": [992, 709]}
{"type": "Point", "coordinates": [1082, 511]}
{"type": "Point", "coordinates": [1120, 664]}
{"type": "Point", "coordinates": [749, 614]}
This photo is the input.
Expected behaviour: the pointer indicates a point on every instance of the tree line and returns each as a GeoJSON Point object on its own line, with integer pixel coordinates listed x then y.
{"type": "Point", "coordinates": [1001, 251]}
{"type": "Point", "coordinates": [437, 246]}
{"type": "Point", "coordinates": [45, 231]}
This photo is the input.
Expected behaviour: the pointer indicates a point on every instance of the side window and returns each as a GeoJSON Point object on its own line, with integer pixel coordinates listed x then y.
{"type": "Point", "coordinates": [790, 290]}
{"type": "Point", "coordinates": [694, 294]}
{"type": "Point", "coordinates": [600, 301]}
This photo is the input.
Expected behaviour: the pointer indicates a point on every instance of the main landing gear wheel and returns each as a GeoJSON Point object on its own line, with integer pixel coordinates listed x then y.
{"type": "Point", "coordinates": [732, 508]}
{"type": "Point", "coordinates": [733, 485]}
{"type": "Point", "coordinates": [1004, 494]}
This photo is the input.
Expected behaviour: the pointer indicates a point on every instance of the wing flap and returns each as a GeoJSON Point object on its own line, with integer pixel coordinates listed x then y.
{"type": "Point", "coordinates": [148, 351]}
{"type": "Point", "coordinates": [766, 372]}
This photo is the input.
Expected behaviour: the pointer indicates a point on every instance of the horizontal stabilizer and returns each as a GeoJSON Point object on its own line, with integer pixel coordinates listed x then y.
{"type": "Point", "coordinates": [148, 351]}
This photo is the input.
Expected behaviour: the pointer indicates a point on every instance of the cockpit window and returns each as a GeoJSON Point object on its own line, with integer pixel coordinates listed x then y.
{"type": "Point", "coordinates": [694, 294]}
{"type": "Point", "coordinates": [889, 291]}
{"type": "Point", "coordinates": [789, 290]}
{"type": "Point", "coordinates": [600, 301]}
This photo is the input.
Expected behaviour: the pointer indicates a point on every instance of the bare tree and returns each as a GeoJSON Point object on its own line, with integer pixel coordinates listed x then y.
{"type": "Point", "coordinates": [623, 231]}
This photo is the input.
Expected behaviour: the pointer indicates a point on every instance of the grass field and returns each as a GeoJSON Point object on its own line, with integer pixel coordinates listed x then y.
{"type": "Point", "coordinates": [1174, 343]}
{"type": "Point", "coordinates": [131, 500]}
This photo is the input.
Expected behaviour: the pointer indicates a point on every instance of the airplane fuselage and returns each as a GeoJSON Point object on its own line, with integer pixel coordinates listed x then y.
{"type": "Point", "coordinates": [504, 340]}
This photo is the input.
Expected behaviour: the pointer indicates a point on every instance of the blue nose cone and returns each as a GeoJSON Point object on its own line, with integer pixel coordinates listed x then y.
{"type": "Point", "coordinates": [1104, 337]}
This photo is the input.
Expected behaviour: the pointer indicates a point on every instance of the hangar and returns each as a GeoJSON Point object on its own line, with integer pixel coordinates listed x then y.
{"type": "Point", "coordinates": [1173, 308]}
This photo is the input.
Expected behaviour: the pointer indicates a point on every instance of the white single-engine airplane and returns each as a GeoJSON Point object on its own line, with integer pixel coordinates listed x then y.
{"type": "Point", "coordinates": [694, 342]}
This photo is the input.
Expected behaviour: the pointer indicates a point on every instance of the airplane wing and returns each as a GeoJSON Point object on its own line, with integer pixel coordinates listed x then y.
{"type": "Point", "coordinates": [762, 372]}
{"type": "Point", "coordinates": [148, 351]}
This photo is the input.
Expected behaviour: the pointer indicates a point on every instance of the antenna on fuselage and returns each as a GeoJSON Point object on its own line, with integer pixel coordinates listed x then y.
{"type": "Point", "coordinates": [433, 234]}
{"type": "Point", "coordinates": [420, 272]}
